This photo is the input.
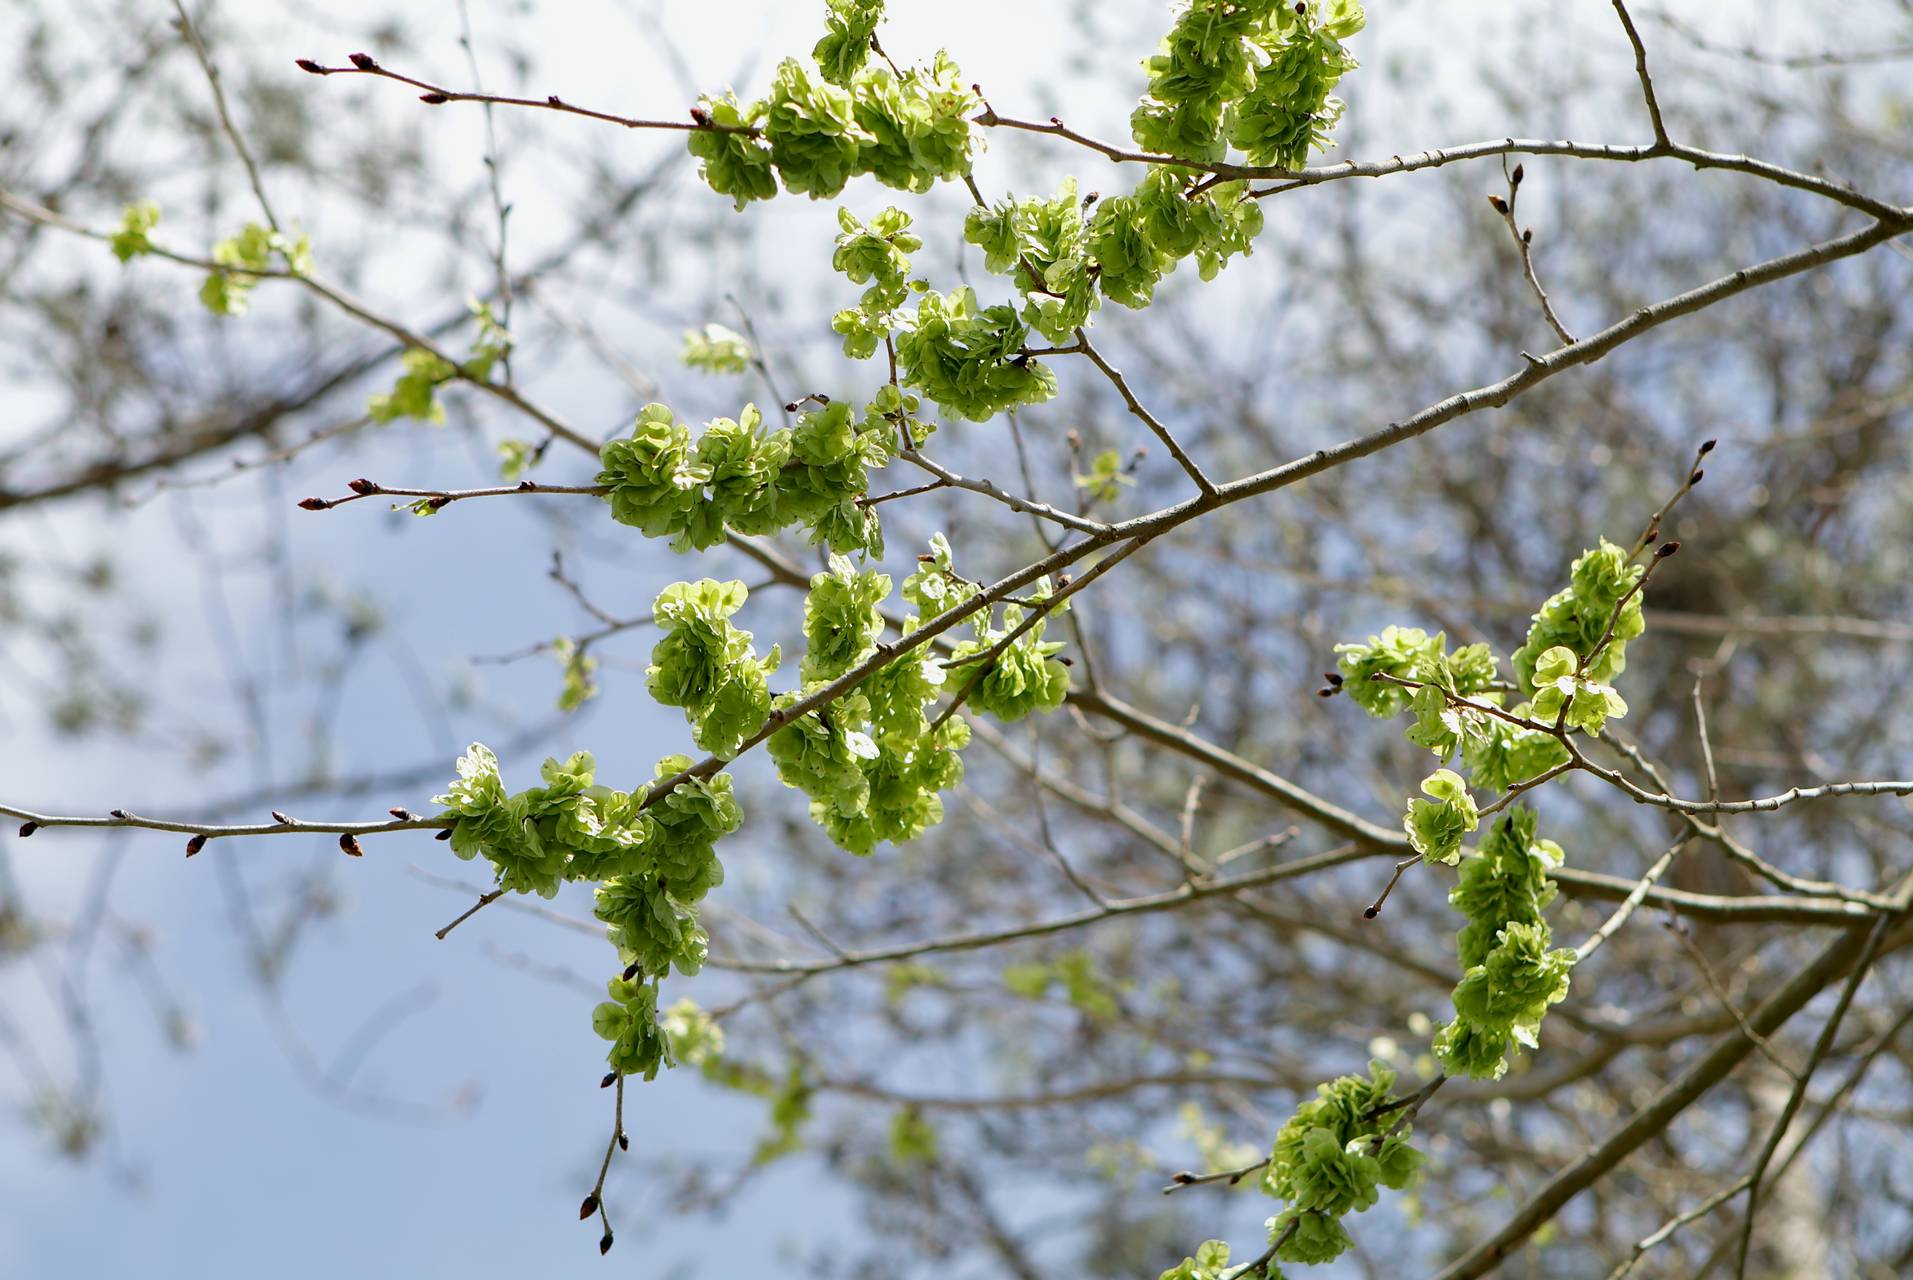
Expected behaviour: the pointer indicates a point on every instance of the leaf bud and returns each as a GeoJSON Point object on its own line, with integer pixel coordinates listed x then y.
{"type": "Point", "coordinates": [362, 485]}
{"type": "Point", "coordinates": [364, 62]}
{"type": "Point", "coordinates": [195, 844]}
{"type": "Point", "coordinates": [1514, 179]}
{"type": "Point", "coordinates": [117, 813]}
{"type": "Point", "coordinates": [1707, 446]}
{"type": "Point", "coordinates": [281, 818]}
{"type": "Point", "coordinates": [1666, 549]}
{"type": "Point", "coordinates": [350, 844]}
{"type": "Point", "coordinates": [445, 834]}
{"type": "Point", "coordinates": [314, 504]}
{"type": "Point", "coordinates": [307, 64]}
{"type": "Point", "coordinates": [28, 828]}
{"type": "Point", "coordinates": [589, 1207]}
{"type": "Point", "coordinates": [400, 812]}
{"type": "Point", "coordinates": [630, 972]}
{"type": "Point", "coordinates": [604, 1245]}
{"type": "Point", "coordinates": [1499, 205]}
{"type": "Point", "coordinates": [1695, 478]}
{"type": "Point", "coordinates": [610, 1078]}
{"type": "Point", "coordinates": [433, 99]}
{"type": "Point", "coordinates": [624, 1140]}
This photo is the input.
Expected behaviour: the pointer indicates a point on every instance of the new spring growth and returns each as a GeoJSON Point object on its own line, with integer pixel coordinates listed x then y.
{"type": "Point", "coordinates": [350, 844]}
{"type": "Point", "coordinates": [195, 844]}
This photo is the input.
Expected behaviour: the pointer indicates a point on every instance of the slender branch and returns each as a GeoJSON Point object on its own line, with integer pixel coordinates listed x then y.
{"type": "Point", "coordinates": [185, 25]}
{"type": "Point", "coordinates": [1149, 419]}
{"type": "Point", "coordinates": [1524, 246]}
{"type": "Point", "coordinates": [1640, 69]}
{"type": "Point", "coordinates": [438, 95]}
{"type": "Point", "coordinates": [439, 499]}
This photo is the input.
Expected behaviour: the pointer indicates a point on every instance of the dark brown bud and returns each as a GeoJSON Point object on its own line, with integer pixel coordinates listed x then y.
{"type": "Point", "coordinates": [117, 813]}
{"type": "Point", "coordinates": [624, 1141]}
{"type": "Point", "coordinates": [400, 812]}
{"type": "Point", "coordinates": [195, 844]}
{"type": "Point", "coordinates": [630, 972]}
{"type": "Point", "coordinates": [1695, 478]}
{"type": "Point", "coordinates": [553, 100]}
{"type": "Point", "coordinates": [1500, 206]}
{"type": "Point", "coordinates": [433, 99]}
{"type": "Point", "coordinates": [281, 818]}
{"type": "Point", "coordinates": [610, 1078]}
{"type": "Point", "coordinates": [314, 504]}
{"type": "Point", "coordinates": [362, 485]}
{"type": "Point", "coordinates": [1707, 446]}
{"type": "Point", "coordinates": [791, 407]}
{"type": "Point", "coordinates": [1527, 236]}
{"type": "Point", "coordinates": [28, 828]}
{"type": "Point", "coordinates": [589, 1207]}
{"type": "Point", "coordinates": [446, 834]}
{"type": "Point", "coordinates": [1666, 549]}
{"type": "Point", "coordinates": [1369, 913]}
{"type": "Point", "coordinates": [1326, 693]}
{"type": "Point", "coordinates": [604, 1244]}
{"type": "Point", "coordinates": [1514, 179]}
{"type": "Point", "coordinates": [350, 843]}
{"type": "Point", "coordinates": [364, 62]}
{"type": "Point", "coordinates": [307, 64]}
{"type": "Point", "coordinates": [1333, 677]}
{"type": "Point", "coordinates": [698, 115]}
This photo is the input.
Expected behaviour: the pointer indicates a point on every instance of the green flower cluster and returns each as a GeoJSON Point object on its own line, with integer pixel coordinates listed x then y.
{"type": "Point", "coordinates": [706, 665]}
{"type": "Point", "coordinates": [1211, 1260]}
{"type": "Point", "coordinates": [568, 829]}
{"type": "Point", "coordinates": [240, 260]}
{"type": "Point", "coordinates": [1409, 653]}
{"type": "Point", "coordinates": [1025, 676]}
{"type": "Point", "coordinates": [629, 1019]}
{"type": "Point", "coordinates": [1562, 691]}
{"type": "Point", "coordinates": [1578, 617]}
{"type": "Point", "coordinates": [1436, 825]}
{"type": "Point", "coordinates": [1290, 110]}
{"type": "Point", "coordinates": [877, 253]}
{"type": "Point", "coordinates": [850, 25]}
{"type": "Point", "coordinates": [1043, 245]}
{"type": "Point", "coordinates": [1331, 1159]}
{"type": "Point", "coordinates": [1511, 977]}
{"type": "Point", "coordinates": [841, 117]}
{"type": "Point", "coordinates": [1255, 73]}
{"type": "Point", "coordinates": [740, 478]}
{"type": "Point", "coordinates": [133, 239]}
{"type": "Point", "coordinates": [415, 393]}
{"type": "Point", "coordinates": [970, 359]}
{"type": "Point", "coordinates": [651, 909]}
{"type": "Point", "coordinates": [716, 349]}
{"type": "Point", "coordinates": [871, 763]}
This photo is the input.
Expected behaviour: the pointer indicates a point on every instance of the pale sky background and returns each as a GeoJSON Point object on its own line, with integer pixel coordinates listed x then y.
{"type": "Point", "coordinates": [243, 1169]}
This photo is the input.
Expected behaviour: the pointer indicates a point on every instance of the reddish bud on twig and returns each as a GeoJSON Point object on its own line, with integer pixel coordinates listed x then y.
{"type": "Point", "coordinates": [699, 115]}
{"type": "Point", "coordinates": [314, 504]}
{"type": "Point", "coordinates": [350, 843]}
{"type": "Point", "coordinates": [1707, 446]}
{"type": "Point", "coordinates": [1333, 677]}
{"type": "Point", "coordinates": [307, 64]}
{"type": "Point", "coordinates": [197, 843]}
{"type": "Point", "coordinates": [364, 61]}
{"type": "Point", "coordinates": [434, 99]}
{"type": "Point", "coordinates": [1500, 205]}
{"type": "Point", "coordinates": [610, 1078]}
{"type": "Point", "coordinates": [1514, 179]}
{"type": "Point", "coordinates": [1666, 549]}
{"type": "Point", "coordinates": [446, 834]}
{"type": "Point", "coordinates": [28, 828]}
{"type": "Point", "coordinates": [604, 1245]}
{"type": "Point", "coordinates": [1695, 478]}
{"type": "Point", "coordinates": [630, 972]}
{"type": "Point", "coordinates": [440, 503]}
{"type": "Point", "coordinates": [589, 1207]}
{"type": "Point", "coordinates": [1369, 913]}
{"type": "Point", "coordinates": [281, 818]}
{"type": "Point", "coordinates": [1527, 236]}
{"type": "Point", "coordinates": [117, 813]}
{"type": "Point", "coordinates": [624, 1141]}
{"type": "Point", "coordinates": [400, 812]}
{"type": "Point", "coordinates": [362, 485]}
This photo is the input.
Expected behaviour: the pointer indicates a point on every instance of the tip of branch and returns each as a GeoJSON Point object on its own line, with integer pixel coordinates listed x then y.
{"type": "Point", "coordinates": [1707, 447]}
{"type": "Point", "coordinates": [314, 504]}
{"type": "Point", "coordinates": [604, 1245]}
{"type": "Point", "coordinates": [308, 65]}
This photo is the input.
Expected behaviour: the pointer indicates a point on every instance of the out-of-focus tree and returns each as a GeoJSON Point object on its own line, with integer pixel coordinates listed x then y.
{"type": "Point", "coordinates": [1145, 936]}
